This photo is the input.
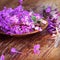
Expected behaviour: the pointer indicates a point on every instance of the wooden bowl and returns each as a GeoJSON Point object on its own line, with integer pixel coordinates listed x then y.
{"type": "Point", "coordinates": [16, 35]}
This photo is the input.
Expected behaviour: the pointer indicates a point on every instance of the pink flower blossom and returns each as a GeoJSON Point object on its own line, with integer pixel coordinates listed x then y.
{"type": "Point", "coordinates": [2, 57]}
{"type": "Point", "coordinates": [21, 1]}
{"type": "Point", "coordinates": [13, 50]}
{"type": "Point", "coordinates": [37, 49]}
{"type": "Point", "coordinates": [14, 19]}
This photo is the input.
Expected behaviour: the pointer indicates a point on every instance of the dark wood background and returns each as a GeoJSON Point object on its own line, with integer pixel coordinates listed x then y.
{"type": "Point", "coordinates": [26, 43]}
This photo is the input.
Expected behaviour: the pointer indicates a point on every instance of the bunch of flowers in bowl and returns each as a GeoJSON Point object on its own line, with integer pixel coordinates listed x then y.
{"type": "Point", "coordinates": [19, 21]}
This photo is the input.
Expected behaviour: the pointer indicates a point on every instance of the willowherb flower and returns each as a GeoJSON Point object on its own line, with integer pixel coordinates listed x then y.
{"type": "Point", "coordinates": [48, 9]}
{"type": "Point", "coordinates": [13, 50]}
{"type": "Point", "coordinates": [14, 19]}
{"type": "Point", "coordinates": [21, 1]}
{"type": "Point", "coordinates": [2, 57]}
{"type": "Point", "coordinates": [37, 49]}
{"type": "Point", "coordinates": [19, 21]}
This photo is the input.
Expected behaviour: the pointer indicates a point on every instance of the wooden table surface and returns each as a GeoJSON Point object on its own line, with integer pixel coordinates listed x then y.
{"type": "Point", "coordinates": [25, 44]}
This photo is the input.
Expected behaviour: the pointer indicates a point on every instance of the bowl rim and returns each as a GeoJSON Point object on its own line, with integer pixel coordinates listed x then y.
{"type": "Point", "coordinates": [29, 33]}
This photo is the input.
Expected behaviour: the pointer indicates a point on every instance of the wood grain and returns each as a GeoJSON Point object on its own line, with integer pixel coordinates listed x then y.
{"type": "Point", "coordinates": [25, 45]}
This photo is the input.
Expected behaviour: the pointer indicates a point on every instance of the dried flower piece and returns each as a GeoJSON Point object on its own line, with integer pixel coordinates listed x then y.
{"type": "Point", "coordinates": [2, 57]}
{"type": "Point", "coordinates": [13, 50]}
{"type": "Point", "coordinates": [43, 21]}
{"type": "Point", "coordinates": [37, 49]}
{"type": "Point", "coordinates": [21, 1]}
{"type": "Point", "coordinates": [48, 9]}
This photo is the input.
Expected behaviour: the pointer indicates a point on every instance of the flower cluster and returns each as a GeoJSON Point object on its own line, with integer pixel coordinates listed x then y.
{"type": "Point", "coordinates": [52, 17]}
{"type": "Point", "coordinates": [18, 20]}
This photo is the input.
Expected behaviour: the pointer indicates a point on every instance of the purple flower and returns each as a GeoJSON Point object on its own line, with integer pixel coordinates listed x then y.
{"type": "Point", "coordinates": [2, 57]}
{"type": "Point", "coordinates": [19, 9]}
{"type": "Point", "coordinates": [13, 50]}
{"type": "Point", "coordinates": [38, 28]}
{"type": "Point", "coordinates": [31, 13]}
{"type": "Point", "coordinates": [19, 21]}
{"type": "Point", "coordinates": [14, 19]}
{"type": "Point", "coordinates": [37, 49]}
{"type": "Point", "coordinates": [21, 1]}
{"type": "Point", "coordinates": [55, 16]}
{"type": "Point", "coordinates": [48, 9]}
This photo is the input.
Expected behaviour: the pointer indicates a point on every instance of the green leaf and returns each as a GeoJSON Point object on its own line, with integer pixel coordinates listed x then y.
{"type": "Point", "coordinates": [34, 18]}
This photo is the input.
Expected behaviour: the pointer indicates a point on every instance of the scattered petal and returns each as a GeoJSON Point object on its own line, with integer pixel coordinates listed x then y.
{"type": "Point", "coordinates": [37, 49]}
{"type": "Point", "coordinates": [2, 57]}
{"type": "Point", "coordinates": [13, 50]}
